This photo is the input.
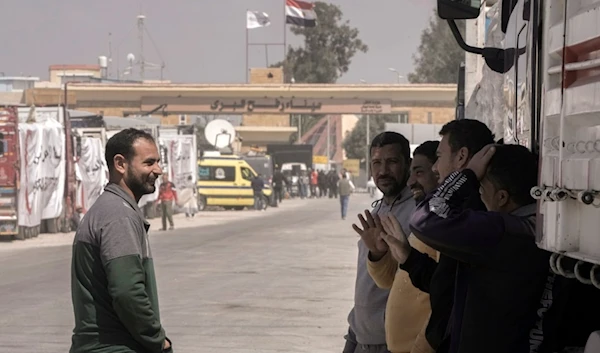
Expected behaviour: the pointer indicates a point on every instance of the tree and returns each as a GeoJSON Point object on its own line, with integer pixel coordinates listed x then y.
{"type": "Point", "coordinates": [438, 56]}
{"type": "Point", "coordinates": [328, 48]}
{"type": "Point", "coordinates": [355, 144]}
{"type": "Point", "coordinates": [326, 55]}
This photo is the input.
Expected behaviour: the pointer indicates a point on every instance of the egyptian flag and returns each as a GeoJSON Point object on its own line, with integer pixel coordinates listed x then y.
{"type": "Point", "coordinates": [300, 13]}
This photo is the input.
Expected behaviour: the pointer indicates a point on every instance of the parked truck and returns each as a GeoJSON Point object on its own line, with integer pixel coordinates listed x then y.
{"type": "Point", "coordinates": [37, 182]}
{"type": "Point", "coordinates": [548, 60]}
{"type": "Point", "coordinates": [9, 174]}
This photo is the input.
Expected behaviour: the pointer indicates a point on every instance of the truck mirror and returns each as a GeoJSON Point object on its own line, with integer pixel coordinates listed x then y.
{"type": "Point", "coordinates": [458, 9]}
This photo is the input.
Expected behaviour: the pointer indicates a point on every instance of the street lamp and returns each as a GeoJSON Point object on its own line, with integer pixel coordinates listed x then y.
{"type": "Point", "coordinates": [397, 73]}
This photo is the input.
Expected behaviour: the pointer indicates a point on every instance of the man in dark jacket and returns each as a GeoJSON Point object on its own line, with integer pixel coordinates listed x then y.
{"type": "Point", "coordinates": [258, 184]}
{"type": "Point", "coordinates": [502, 273]}
{"type": "Point", "coordinates": [278, 181]}
{"type": "Point", "coordinates": [113, 285]}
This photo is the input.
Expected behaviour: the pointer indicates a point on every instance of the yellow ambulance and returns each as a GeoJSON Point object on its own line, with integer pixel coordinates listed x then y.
{"type": "Point", "coordinates": [225, 180]}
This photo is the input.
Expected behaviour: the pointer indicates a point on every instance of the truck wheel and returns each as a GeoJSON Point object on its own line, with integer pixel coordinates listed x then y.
{"type": "Point", "coordinates": [28, 232]}
{"type": "Point", "coordinates": [52, 225]}
{"type": "Point", "coordinates": [35, 232]}
{"type": "Point", "coordinates": [201, 203]}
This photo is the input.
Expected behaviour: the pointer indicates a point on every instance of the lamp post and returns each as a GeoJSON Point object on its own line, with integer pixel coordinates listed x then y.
{"type": "Point", "coordinates": [397, 73]}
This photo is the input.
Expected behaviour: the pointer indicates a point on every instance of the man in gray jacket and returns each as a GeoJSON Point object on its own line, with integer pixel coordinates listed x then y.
{"type": "Point", "coordinates": [390, 161]}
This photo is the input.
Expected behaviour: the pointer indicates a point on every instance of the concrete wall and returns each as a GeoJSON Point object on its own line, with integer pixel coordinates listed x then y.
{"type": "Point", "coordinates": [430, 115]}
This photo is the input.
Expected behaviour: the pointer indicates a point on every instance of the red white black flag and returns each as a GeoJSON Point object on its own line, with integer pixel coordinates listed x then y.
{"type": "Point", "coordinates": [300, 13]}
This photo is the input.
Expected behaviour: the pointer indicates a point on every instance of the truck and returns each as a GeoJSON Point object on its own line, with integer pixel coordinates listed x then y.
{"type": "Point", "coordinates": [9, 175]}
{"type": "Point", "coordinates": [37, 182]}
{"type": "Point", "coordinates": [91, 171]}
{"type": "Point", "coordinates": [291, 160]}
{"type": "Point", "coordinates": [547, 64]}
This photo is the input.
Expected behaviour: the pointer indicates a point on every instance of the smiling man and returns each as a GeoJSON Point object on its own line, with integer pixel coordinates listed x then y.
{"type": "Point", "coordinates": [423, 179]}
{"type": "Point", "coordinates": [408, 308]}
{"type": "Point", "coordinates": [113, 286]}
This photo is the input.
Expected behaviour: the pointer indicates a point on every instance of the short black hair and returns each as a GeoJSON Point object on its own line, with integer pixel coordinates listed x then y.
{"type": "Point", "coordinates": [122, 143]}
{"type": "Point", "coordinates": [392, 138]}
{"type": "Point", "coordinates": [514, 168]}
{"type": "Point", "coordinates": [429, 150]}
{"type": "Point", "coordinates": [469, 133]}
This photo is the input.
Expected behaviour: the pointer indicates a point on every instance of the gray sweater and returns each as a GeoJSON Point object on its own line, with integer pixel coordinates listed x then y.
{"type": "Point", "coordinates": [367, 318]}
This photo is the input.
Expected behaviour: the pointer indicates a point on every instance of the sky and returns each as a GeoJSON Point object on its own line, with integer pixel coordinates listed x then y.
{"type": "Point", "coordinates": [200, 41]}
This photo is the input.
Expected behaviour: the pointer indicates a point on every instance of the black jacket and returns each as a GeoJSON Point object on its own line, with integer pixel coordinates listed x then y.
{"type": "Point", "coordinates": [438, 279]}
{"type": "Point", "coordinates": [501, 273]}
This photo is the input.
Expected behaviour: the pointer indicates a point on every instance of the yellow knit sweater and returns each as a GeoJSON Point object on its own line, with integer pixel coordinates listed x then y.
{"type": "Point", "coordinates": [408, 308]}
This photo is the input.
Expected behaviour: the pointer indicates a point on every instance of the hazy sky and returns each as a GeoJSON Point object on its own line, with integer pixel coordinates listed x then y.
{"type": "Point", "coordinates": [200, 40]}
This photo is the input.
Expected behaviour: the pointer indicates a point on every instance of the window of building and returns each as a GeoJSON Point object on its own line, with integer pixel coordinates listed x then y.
{"type": "Point", "coordinates": [429, 117]}
{"type": "Point", "coordinates": [403, 118]}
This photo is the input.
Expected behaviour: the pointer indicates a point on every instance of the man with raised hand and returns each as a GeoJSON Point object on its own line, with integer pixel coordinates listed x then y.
{"type": "Point", "coordinates": [390, 160]}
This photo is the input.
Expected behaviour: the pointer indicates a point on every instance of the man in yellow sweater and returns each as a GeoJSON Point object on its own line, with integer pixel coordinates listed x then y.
{"type": "Point", "coordinates": [407, 311]}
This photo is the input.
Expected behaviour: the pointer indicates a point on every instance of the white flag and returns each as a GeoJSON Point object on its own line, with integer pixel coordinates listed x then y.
{"type": "Point", "coordinates": [257, 19]}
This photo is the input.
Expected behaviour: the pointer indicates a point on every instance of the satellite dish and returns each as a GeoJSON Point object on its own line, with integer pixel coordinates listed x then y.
{"type": "Point", "coordinates": [219, 133]}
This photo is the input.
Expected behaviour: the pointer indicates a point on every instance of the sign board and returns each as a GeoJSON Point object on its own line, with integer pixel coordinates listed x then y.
{"type": "Point", "coordinates": [42, 155]}
{"type": "Point", "coordinates": [256, 105]}
{"type": "Point", "coordinates": [352, 165]}
{"type": "Point", "coordinates": [319, 159]}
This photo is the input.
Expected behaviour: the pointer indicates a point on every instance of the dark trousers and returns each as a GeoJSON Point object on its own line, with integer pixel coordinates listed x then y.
{"type": "Point", "coordinates": [167, 213]}
{"type": "Point", "coordinates": [278, 193]}
{"type": "Point", "coordinates": [258, 201]}
{"type": "Point", "coordinates": [333, 191]}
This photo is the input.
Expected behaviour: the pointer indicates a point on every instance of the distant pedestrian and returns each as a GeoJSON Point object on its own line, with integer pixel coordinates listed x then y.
{"type": "Point", "coordinates": [304, 183]}
{"type": "Point", "coordinates": [167, 195]}
{"type": "Point", "coordinates": [258, 184]}
{"type": "Point", "coordinates": [278, 181]}
{"type": "Point", "coordinates": [345, 189]}
{"type": "Point", "coordinates": [314, 182]}
{"type": "Point", "coordinates": [333, 180]}
{"type": "Point", "coordinates": [113, 285]}
{"type": "Point", "coordinates": [191, 206]}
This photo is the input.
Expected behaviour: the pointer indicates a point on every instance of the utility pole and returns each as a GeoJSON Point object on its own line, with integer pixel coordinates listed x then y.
{"type": "Point", "coordinates": [299, 128]}
{"type": "Point", "coordinates": [140, 23]}
{"type": "Point", "coordinates": [328, 143]}
{"type": "Point", "coordinates": [368, 143]}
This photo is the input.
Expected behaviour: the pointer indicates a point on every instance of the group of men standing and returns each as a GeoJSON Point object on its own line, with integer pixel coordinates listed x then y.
{"type": "Point", "coordinates": [456, 271]}
{"type": "Point", "coordinates": [447, 260]}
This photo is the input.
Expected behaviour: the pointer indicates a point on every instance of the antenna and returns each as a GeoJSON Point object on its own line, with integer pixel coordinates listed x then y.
{"type": "Point", "coordinates": [140, 21]}
{"type": "Point", "coordinates": [219, 133]}
{"type": "Point", "coordinates": [109, 54]}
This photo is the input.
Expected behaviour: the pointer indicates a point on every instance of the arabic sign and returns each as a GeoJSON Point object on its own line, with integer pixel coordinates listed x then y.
{"type": "Point", "coordinates": [42, 171]}
{"type": "Point", "coordinates": [92, 172]}
{"type": "Point", "coordinates": [352, 166]}
{"type": "Point", "coordinates": [240, 105]}
{"type": "Point", "coordinates": [319, 159]}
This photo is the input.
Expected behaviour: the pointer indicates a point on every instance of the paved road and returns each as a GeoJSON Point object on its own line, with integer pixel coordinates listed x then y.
{"type": "Point", "coordinates": [278, 282]}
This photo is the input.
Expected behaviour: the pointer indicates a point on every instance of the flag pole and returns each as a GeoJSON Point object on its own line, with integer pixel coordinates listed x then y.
{"type": "Point", "coordinates": [247, 66]}
{"type": "Point", "coordinates": [284, 37]}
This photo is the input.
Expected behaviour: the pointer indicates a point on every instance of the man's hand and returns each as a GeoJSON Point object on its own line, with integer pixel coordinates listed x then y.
{"type": "Point", "coordinates": [478, 164]}
{"type": "Point", "coordinates": [395, 238]}
{"type": "Point", "coordinates": [371, 235]}
{"type": "Point", "coordinates": [166, 345]}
